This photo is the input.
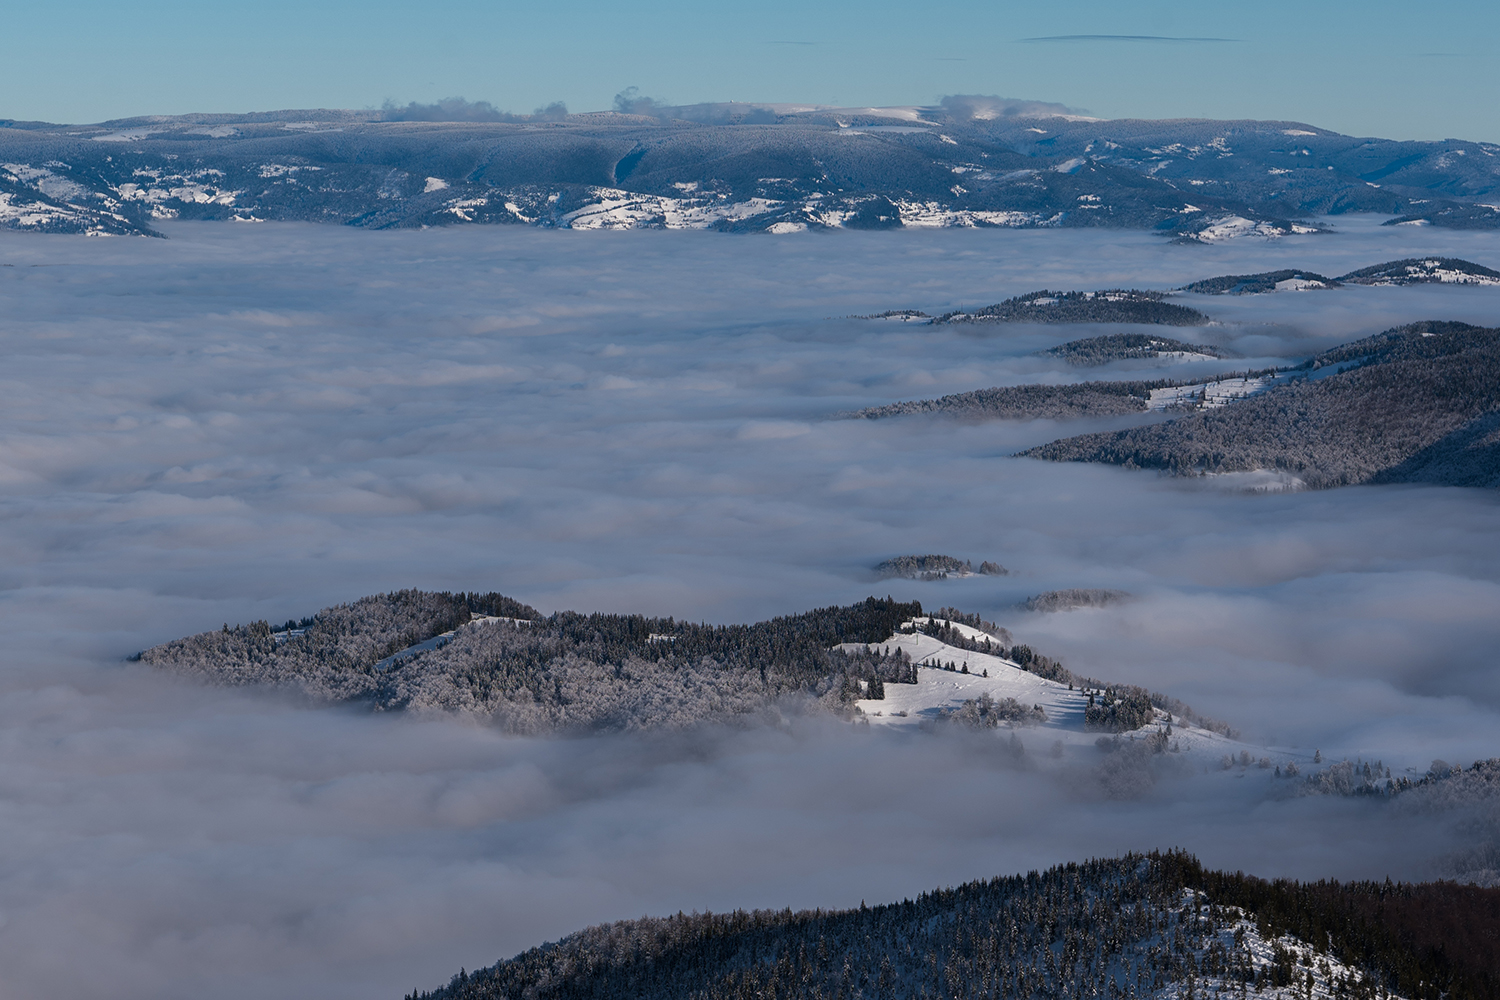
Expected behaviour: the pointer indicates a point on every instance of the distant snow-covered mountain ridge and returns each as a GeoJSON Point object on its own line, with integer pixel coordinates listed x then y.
{"type": "Point", "coordinates": [1159, 926]}
{"type": "Point", "coordinates": [743, 168]}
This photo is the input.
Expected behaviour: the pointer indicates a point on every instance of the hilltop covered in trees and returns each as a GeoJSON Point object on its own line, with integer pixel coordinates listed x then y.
{"type": "Point", "coordinates": [1139, 925]}
{"type": "Point", "coordinates": [1124, 347]}
{"type": "Point", "coordinates": [1116, 305]}
{"type": "Point", "coordinates": [1261, 282]}
{"type": "Point", "coordinates": [1414, 404]}
{"type": "Point", "coordinates": [1422, 271]}
{"type": "Point", "coordinates": [1067, 600]}
{"type": "Point", "coordinates": [935, 567]}
{"type": "Point", "coordinates": [1410, 271]}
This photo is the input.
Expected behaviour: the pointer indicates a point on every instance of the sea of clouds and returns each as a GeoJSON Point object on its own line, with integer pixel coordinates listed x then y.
{"type": "Point", "coordinates": [247, 422]}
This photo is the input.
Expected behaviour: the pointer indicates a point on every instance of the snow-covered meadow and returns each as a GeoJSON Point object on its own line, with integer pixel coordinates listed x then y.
{"type": "Point", "coordinates": [246, 422]}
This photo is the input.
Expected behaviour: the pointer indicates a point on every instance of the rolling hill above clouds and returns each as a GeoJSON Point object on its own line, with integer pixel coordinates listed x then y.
{"type": "Point", "coordinates": [1416, 404]}
{"type": "Point", "coordinates": [737, 167]}
{"type": "Point", "coordinates": [493, 658]}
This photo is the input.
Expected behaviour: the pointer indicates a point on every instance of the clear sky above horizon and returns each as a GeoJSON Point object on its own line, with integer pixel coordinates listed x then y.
{"type": "Point", "coordinates": [1366, 68]}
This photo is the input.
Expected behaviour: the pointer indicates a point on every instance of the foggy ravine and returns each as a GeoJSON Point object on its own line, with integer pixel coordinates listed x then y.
{"type": "Point", "coordinates": [257, 421]}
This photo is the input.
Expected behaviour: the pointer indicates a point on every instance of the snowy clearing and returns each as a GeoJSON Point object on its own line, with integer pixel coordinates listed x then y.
{"type": "Point", "coordinates": [1210, 395]}
{"type": "Point", "coordinates": [943, 686]}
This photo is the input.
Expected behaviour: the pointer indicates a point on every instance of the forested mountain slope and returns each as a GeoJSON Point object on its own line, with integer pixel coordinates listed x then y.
{"type": "Point", "coordinates": [1137, 926]}
{"type": "Point", "coordinates": [1419, 403]}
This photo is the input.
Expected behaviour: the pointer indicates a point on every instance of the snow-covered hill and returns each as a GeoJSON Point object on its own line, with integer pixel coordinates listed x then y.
{"type": "Point", "coordinates": [950, 676]}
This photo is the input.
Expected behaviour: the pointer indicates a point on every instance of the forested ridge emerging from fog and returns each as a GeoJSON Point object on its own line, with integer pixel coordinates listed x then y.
{"type": "Point", "coordinates": [492, 656]}
{"type": "Point", "coordinates": [566, 671]}
{"type": "Point", "coordinates": [1418, 403]}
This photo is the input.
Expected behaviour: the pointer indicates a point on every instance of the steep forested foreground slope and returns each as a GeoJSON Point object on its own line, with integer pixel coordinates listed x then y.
{"type": "Point", "coordinates": [1419, 403]}
{"type": "Point", "coordinates": [1138, 926]}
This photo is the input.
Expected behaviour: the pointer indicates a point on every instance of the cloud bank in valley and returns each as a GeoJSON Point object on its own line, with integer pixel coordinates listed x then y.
{"type": "Point", "coordinates": [255, 422]}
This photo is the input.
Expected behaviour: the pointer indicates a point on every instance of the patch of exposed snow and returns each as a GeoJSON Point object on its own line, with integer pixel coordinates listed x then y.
{"type": "Point", "coordinates": [269, 170]}
{"type": "Point", "coordinates": [434, 184]}
{"type": "Point", "coordinates": [463, 207]}
{"type": "Point", "coordinates": [782, 228]}
{"type": "Point", "coordinates": [933, 215]}
{"type": "Point", "coordinates": [186, 191]}
{"type": "Point", "coordinates": [1235, 227]}
{"type": "Point", "coordinates": [48, 183]}
{"type": "Point", "coordinates": [126, 135]}
{"type": "Point", "coordinates": [1209, 395]}
{"type": "Point", "coordinates": [618, 209]}
{"type": "Point", "coordinates": [1317, 975]}
{"type": "Point", "coordinates": [32, 214]}
{"type": "Point", "coordinates": [939, 690]}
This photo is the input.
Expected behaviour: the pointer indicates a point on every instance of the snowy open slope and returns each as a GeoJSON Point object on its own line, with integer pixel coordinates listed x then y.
{"type": "Point", "coordinates": [939, 689]}
{"type": "Point", "coordinates": [1210, 395]}
{"type": "Point", "coordinates": [617, 209]}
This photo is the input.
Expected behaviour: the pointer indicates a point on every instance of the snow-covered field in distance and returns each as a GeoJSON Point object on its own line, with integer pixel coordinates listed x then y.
{"type": "Point", "coordinates": [248, 422]}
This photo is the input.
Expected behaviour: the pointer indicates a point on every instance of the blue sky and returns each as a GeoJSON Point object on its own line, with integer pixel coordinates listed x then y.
{"type": "Point", "coordinates": [1372, 68]}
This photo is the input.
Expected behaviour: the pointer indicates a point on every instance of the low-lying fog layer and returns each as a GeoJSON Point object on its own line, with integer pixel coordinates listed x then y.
{"type": "Point", "coordinates": [255, 422]}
